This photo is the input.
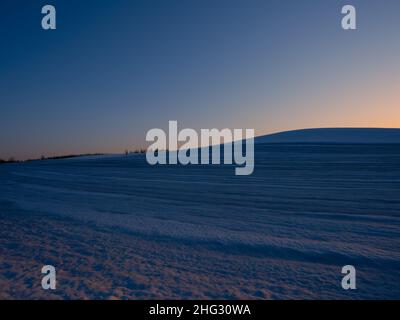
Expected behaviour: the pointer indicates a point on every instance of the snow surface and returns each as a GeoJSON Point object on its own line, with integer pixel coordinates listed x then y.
{"type": "Point", "coordinates": [334, 135]}
{"type": "Point", "coordinates": [200, 231]}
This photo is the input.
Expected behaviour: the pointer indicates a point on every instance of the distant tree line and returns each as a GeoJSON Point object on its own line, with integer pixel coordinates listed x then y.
{"type": "Point", "coordinates": [70, 156]}
{"type": "Point", "coordinates": [10, 160]}
{"type": "Point", "coordinates": [136, 151]}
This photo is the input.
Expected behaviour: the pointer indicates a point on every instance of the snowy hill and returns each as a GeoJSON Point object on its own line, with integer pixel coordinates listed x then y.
{"type": "Point", "coordinates": [334, 135]}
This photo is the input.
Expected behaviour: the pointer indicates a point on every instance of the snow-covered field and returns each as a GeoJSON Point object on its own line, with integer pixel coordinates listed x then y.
{"type": "Point", "coordinates": [115, 227]}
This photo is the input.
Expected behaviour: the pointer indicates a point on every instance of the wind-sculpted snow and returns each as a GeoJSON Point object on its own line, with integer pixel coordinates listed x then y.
{"type": "Point", "coordinates": [283, 232]}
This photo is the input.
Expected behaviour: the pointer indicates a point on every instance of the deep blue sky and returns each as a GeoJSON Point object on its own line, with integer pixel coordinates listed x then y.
{"type": "Point", "coordinates": [114, 69]}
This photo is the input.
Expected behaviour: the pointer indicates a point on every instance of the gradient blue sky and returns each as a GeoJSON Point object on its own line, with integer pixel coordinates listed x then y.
{"type": "Point", "coordinates": [115, 69]}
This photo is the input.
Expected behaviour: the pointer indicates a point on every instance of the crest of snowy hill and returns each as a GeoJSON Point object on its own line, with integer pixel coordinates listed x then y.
{"type": "Point", "coordinates": [334, 135]}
